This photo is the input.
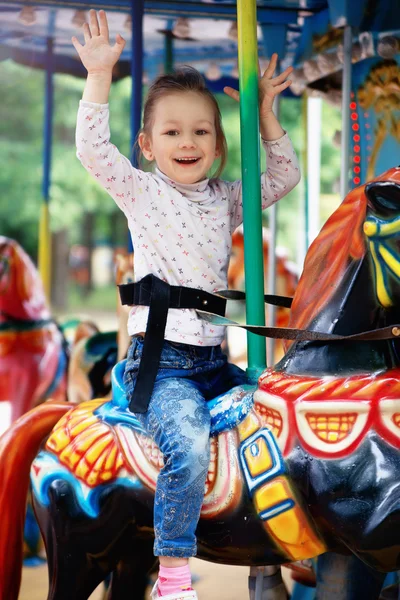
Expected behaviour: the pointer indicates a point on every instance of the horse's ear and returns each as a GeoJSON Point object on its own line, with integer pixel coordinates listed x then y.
{"type": "Point", "coordinates": [383, 196]}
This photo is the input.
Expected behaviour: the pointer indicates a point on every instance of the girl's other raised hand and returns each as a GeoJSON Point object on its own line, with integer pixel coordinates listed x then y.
{"type": "Point", "coordinates": [97, 54]}
{"type": "Point", "coordinates": [269, 86]}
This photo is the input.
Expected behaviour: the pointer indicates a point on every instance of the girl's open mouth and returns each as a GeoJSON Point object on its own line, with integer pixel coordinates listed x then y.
{"type": "Point", "coordinates": [186, 161]}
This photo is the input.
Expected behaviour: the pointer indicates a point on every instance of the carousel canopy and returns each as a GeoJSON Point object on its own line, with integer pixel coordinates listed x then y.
{"type": "Point", "coordinates": [305, 33]}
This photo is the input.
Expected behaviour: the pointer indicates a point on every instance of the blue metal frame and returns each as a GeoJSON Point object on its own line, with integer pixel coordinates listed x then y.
{"type": "Point", "coordinates": [176, 9]}
{"type": "Point", "coordinates": [137, 11]}
{"type": "Point", "coordinates": [48, 121]}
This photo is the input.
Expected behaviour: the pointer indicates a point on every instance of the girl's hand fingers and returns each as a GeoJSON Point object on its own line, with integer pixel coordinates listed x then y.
{"type": "Point", "coordinates": [103, 24]}
{"type": "Point", "coordinates": [280, 78]}
{"type": "Point", "coordinates": [94, 24]}
{"type": "Point", "coordinates": [119, 44]}
{"type": "Point", "coordinates": [77, 45]}
{"type": "Point", "coordinates": [279, 88]}
{"type": "Point", "coordinates": [86, 33]}
{"type": "Point", "coordinates": [232, 93]}
{"type": "Point", "coordinates": [270, 70]}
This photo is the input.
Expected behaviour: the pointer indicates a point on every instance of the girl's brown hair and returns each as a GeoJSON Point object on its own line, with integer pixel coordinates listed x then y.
{"type": "Point", "coordinates": [184, 79]}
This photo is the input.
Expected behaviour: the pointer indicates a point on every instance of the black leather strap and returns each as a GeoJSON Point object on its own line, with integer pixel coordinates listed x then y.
{"type": "Point", "coordinates": [180, 297]}
{"type": "Point", "coordinates": [283, 301]}
{"type": "Point", "coordinates": [160, 297]}
{"type": "Point", "coordinates": [305, 335]}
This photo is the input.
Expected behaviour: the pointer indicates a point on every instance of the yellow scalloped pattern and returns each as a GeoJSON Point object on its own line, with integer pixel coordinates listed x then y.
{"type": "Point", "coordinates": [86, 446]}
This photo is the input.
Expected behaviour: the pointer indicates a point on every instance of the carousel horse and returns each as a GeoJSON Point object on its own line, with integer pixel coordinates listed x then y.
{"type": "Point", "coordinates": [305, 465]}
{"type": "Point", "coordinates": [123, 261]}
{"type": "Point", "coordinates": [286, 279]}
{"type": "Point", "coordinates": [91, 361]}
{"type": "Point", "coordinates": [94, 353]}
{"type": "Point", "coordinates": [32, 351]}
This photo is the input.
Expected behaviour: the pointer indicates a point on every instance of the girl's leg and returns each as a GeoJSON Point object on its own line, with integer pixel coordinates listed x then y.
{"type": "Point", "coordinates": [179, 421]}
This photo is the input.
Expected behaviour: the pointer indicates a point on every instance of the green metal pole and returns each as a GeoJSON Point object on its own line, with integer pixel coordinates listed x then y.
{"type": "Point", "coordinates": [250, 149]}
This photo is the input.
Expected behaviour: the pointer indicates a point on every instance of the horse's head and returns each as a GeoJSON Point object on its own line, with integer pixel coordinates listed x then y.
{"type": "Point", "coordinates": [382, 231]}
{"type": "Point", "coordinates": [365, 223]}
{"type": "Point", "coordinates": [21, 290]}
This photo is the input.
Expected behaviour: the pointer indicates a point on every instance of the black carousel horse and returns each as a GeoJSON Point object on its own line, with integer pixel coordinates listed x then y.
{"type": "Point", "coordinates": [306, 464]}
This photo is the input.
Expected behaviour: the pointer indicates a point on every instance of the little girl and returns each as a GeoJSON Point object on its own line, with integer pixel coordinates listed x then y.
{"type": "Point", "coordinates": [181, 224]}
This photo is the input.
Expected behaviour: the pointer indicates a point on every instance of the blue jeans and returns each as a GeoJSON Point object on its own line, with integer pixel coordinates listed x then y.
{"type": "Point", "coordinates": [178, 420]}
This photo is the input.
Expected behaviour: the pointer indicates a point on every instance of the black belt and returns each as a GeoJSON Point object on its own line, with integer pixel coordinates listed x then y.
{"type": "Point", "coordinates": [159, 296]}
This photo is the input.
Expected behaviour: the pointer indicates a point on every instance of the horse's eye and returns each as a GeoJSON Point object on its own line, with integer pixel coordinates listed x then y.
{"type": "Point", "coordinates": [384, 195]}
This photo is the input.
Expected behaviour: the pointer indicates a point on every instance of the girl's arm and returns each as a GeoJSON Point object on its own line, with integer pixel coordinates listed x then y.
{"type": "Point", "coordinates": [282, 172]}
{"type": "Point", "coordinates": [269, 88]}
{"type": "Point", "coordinates": [128, 186]}
{"type": "Point", "coordinates": [281, 175]}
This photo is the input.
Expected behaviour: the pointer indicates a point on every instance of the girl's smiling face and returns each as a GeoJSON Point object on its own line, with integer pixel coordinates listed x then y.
{"type": "Point", "coordinates": [183, 137]}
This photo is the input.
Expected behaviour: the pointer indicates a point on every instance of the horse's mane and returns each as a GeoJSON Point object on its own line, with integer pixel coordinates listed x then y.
{"type": "Point", "coordinates": [340, 241]}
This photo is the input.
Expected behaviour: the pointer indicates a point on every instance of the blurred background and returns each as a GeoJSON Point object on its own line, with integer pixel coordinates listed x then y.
{"type": "Point", "coordinates": [87, 227]}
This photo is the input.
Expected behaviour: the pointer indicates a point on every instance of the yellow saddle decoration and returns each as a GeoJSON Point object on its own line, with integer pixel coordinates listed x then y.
{"type": "Point", "coordinates": [87, 446]}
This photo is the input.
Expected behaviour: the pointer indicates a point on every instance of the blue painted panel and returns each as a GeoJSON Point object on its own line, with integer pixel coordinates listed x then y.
{"type": "Point", "coordinates": [371, 79]}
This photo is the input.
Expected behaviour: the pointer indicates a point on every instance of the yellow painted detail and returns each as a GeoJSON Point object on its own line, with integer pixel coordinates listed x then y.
{"type": "Point", "coordinates": [387, 229]}
{"type": "Point", "coordinates": [293, 533]}
{"type": "Point", "coordinates": [99, 446]}
{"type": "Point", "coordinates": [87, 438]}
{"type": "Point", "coordinates": [70, 458]}
{"type": "Point", "coordinates": [381, 291]}
{"type": "Point", "coordinates": [82, 470]}
{"type": "Point", "coordinates": [248, 426]}
{"type": "Point", "coordinates": [45, 249]}
{"type": "Point", "coordinates": [271, 494]}
{"type": "Point", "coordinates": [390, 260]}
{"type": "Point", "coordinates": [286, 527]}
{"type": "Point", "coordinates": [299, 388]}
{"type": "Point", "coordinates": [110, 458]}
{"type": "Point", "coordinates": [260, 463]}
{"type": "Point", "coordinates": [370, 228]}
{"type": "Point", "coordinates": [81, 425]}
{"type": "Point", "coordinates": [58, 440]}
{"type": "Point", "coordinates": [98, 467]}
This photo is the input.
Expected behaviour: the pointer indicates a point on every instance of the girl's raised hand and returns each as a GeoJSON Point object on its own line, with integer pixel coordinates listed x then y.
{"type": "Point", "coordinates": [269, 86]}
{"type": "Point", "coordinates": [97, 55]}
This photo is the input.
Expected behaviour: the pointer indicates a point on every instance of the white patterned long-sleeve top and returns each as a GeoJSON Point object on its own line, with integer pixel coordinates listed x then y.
{"type": "Point", "coordinates": [180, 233]}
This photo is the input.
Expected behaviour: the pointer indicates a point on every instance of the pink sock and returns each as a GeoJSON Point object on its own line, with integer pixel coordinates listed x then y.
{"type": "Point", "coordinates": [172, 580]}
